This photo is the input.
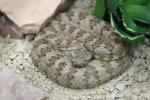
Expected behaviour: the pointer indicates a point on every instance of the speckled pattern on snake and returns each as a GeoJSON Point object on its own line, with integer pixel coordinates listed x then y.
{"type": "Point", "coordinates": [77, 50]}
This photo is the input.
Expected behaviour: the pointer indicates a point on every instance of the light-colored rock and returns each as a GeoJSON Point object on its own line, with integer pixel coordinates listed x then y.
{"type": "Point", "coordinates": [120, 86]}
{"type": "Point", "coordinates": [136, 91]}
{"type": "Point", "coordinates": [147, 95]}
{"type": "Point", "coordinates": [119, 95]}
{"type": "Point", "coordinates": [110, 97]}
{"type": "Point", "coordinates": [12, 88]}
{"type": "Point", "coordinates": [30, 15]}
{"type": "Point", "coordinates": [142, 77]}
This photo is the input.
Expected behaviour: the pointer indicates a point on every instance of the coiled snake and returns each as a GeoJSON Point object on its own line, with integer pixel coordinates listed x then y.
{"type": "Point", "coordinates": [77, 50]}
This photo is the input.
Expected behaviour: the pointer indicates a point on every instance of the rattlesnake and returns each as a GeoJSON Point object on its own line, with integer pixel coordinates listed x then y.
{"type": "Point", "coordinates": [77, 50]}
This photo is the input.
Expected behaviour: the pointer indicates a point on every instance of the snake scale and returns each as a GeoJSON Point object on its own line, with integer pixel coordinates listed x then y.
{"type": "Point", "coordinates": [76, 50]}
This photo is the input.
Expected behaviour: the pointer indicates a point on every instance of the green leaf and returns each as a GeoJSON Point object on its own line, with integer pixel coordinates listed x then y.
{"type": "Point", "coordinates": [99, 10]}
{"type": "Point", "coordinates": [148, 5]}
{"type": "Point", "coordinates": [131, 39]}
{"type": "Point", "coordinates": [111, 6]}
{"type": "Point", "coordinates": [138, 2]}
{"type": "Point", "coordinates": [141, 13]}
{"type": "Point", "coordinates": [129, 24]}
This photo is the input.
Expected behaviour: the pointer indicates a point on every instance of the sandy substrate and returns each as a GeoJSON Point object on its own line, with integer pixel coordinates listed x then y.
{"type": "Point", "coordinates": [133, 84]}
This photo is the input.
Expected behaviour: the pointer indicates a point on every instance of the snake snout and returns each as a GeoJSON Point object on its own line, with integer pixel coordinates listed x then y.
{"type": "Point", "coordinates": [80, 62]}
{"type": "Point", "coordinates": [79, 58]}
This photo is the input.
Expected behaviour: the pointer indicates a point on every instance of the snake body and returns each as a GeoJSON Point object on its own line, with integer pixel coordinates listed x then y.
{"type": "Point", "coordinates": [78, 51]}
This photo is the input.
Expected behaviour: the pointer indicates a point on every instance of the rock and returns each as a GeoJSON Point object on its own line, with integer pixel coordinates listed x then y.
{"type": "Point", "coordinates": [147, 95]}
{"type": "Point", "coordinates": [110, 97]}
{"type": "Point", "coordinates": [12, 88]}
{"type": "Point", "coordinates": [136, 91]}
{"type": "Point", "coordinates": [142, 77]}
{"type": "Point", "coordinates": [120, 86]}
{"type": "Point", "coordinates": [119, 95]}
{"type": "Point", "coordinates": [8, 28]}
{"type": "Point", "coordinates": [10, 31]}
{"type": "Point", "coordinates": [31, 15]}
